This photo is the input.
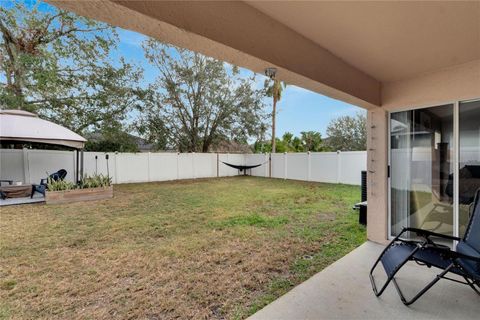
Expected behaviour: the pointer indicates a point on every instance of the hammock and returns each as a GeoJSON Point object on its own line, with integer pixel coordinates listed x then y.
{"type": "Point", "coordinates": [241, 168]}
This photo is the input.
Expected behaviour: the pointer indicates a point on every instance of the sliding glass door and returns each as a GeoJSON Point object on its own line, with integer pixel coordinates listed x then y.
{"type": "Point", "coordinates": [434, 167]}
{"type": "Point", "coordinates": [469, 159]}
{"type": "Point", "coordinates": [421, 169]}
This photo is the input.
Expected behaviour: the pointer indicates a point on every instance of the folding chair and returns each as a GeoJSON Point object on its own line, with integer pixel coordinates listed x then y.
{"type": "Point", "coordinates": [464, 261]}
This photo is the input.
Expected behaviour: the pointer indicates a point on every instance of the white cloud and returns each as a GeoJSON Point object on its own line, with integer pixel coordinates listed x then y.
{"type": "Point", "coordinates": [131, 38]}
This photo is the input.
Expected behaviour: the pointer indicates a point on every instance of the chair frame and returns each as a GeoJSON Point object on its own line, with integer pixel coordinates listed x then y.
{"type": "Point", "coordinates": [473, 281]}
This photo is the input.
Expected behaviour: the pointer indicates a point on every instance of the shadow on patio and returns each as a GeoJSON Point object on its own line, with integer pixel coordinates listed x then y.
{"type": "Point", "coordinates": [343, 291]}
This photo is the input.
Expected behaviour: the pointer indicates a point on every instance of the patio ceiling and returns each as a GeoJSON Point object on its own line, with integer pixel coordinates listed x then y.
{"type": "Point", "coordinates": [346, 50]}
{"type": "Point", "coordinates": [390, 41]}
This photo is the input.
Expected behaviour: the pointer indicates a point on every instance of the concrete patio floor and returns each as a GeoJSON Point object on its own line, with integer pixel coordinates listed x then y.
{"type": "Point", "coordinates": [343, 291]}
{"type": "Point", "coordinates": [37, 198]}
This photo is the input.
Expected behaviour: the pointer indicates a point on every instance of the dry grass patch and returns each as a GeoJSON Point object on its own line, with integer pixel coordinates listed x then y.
{"type": "Point", "coordinates": [219, 248]}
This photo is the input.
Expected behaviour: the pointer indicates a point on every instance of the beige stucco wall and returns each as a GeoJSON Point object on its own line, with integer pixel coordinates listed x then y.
{"type": "Point", "coordinates": [449, 85]}
{"type": "Point", "coordinates": [377, 174]}
{"type": "Point", "coordinates": [461, 82]}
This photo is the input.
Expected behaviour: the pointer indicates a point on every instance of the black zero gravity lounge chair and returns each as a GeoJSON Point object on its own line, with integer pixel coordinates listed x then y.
{"type": "Point", "coordinates": [464, 261]}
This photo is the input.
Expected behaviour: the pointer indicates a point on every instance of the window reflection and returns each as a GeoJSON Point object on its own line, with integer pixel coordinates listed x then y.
{"type": "Point", "coordinates": [422, 169]}
{"type": "Point", "coordinates": [469, 161]}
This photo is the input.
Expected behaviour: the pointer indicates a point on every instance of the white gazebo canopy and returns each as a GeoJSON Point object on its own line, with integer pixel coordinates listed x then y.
{"type": "Point", "coordinates": [18, 125]}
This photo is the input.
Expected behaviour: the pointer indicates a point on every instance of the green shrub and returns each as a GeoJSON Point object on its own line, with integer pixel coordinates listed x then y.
{"type": "Point", "coordinates": [95, 181]}
{"type": "Point", "coordinates": [60, 185]}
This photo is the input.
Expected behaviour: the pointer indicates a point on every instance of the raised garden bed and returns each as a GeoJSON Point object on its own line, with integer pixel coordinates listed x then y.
{"type": "Point", "coordinates": [75, 195]}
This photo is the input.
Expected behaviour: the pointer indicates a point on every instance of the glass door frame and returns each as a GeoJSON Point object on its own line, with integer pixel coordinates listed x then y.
{"type": "Point", "coordinates": [456, 158]}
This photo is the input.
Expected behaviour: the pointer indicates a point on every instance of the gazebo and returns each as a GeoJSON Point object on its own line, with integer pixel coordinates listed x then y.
{"type": "Point", "coordinates": [18, 126]}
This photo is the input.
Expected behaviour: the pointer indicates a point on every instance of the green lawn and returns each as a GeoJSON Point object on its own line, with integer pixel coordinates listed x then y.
{"type": "Point", "coordinates": [213, 248]}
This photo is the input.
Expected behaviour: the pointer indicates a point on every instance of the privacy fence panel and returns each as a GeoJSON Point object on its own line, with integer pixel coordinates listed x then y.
{"type": "Point", "coordinates": [333, 167]}
{"type": "Point", "coordinates": [351, 164]}
{"type": "Point", "coordinates": [236, 159]}
{"type": "Point", "coordinates": [131, 167]}
{"type": "Point", "coordinates": [297, 166]}
{"type": "Point", "coordinates": [205, 165]}
{"type": "Point", "coordinates": [97, 163]}
{"type": "Point", "coordinates": [278, 165]}
{"type": "Point", "coordinates": [324, 167]}
{"type": "Point", "coordinates": [12, 165]}
{"type": "Point", "coordinates": [41, 163]}
{"type": "Point", "coordinates": [254, 159]}
{"type": "Point", "coordinates": [163, 166]}
{"type": "Point", "coordinates": [185, 166]}
{"type": "Point", "coordinates": [330, 167]}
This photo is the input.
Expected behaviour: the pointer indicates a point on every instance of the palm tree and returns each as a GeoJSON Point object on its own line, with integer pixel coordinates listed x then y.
{"type": "Point", "coordinates": [274, 88]}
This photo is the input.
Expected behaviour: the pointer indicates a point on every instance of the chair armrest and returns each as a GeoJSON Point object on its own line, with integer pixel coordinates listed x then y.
{"type": "Point", "coordinates": [452, 254]}
{"type": "Point", "coordinates": [426, 234]}
{"type": "Point", "coordinates": [43, 181]}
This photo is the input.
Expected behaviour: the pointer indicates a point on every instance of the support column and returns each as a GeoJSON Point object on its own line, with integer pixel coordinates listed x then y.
{"type": "Point", "coordinates": [26, 166]}
{"type": "Point", "coordinates": [377, 183]}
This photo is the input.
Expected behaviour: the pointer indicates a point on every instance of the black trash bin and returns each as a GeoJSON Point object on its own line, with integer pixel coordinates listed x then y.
{"type": "Point", "coordinates": [362, 206]}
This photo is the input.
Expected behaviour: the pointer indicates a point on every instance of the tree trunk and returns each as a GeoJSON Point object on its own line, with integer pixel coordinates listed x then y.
{"type": "Point", "coordinates": [274, 113]}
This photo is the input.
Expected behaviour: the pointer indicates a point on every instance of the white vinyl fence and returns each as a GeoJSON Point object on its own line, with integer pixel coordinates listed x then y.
{"type": "Point", "coordinates": [30, 166]}
{"type": "Point", "coordinates": [332, 167]}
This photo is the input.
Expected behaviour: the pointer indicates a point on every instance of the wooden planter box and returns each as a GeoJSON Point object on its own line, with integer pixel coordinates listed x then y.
{"type": "Point", "coordinates": [52, 197]}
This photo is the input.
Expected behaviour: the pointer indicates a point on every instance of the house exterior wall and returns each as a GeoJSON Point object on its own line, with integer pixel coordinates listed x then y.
{"type": "Point", "coordinates": [449, 85]}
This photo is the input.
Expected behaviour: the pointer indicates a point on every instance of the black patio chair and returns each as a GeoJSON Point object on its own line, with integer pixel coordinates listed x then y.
{"type": "Point", "coordinates": [42, 187]}
{"type": "Point", "coordinates": [463, 261]}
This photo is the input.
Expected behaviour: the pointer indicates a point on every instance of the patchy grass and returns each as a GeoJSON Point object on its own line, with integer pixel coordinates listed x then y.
{"type": "Point", "coordinates": [219, 248]}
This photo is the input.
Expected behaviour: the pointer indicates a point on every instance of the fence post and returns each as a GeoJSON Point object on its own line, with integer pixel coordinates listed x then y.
{"type": "Point", "coordinates": [309, 163]}
{"type": "Point", "coordinates": [115, 161]}
{"type": "Point", "coordinates": [26, 166]}
{"type": "Point", "coordinates": [178, 165]}
{"type": "Point", "coordinates": [285, 164]}
{"type": "Point", "coordinates": [265, 173]}
{"type": "Point", "coordinates": [148, 167]}
{"type": "Point", "coordinates": [270, 165]}
{"type": "Point", "coordinates": [193, 165]}
{"type": "Point", "coordinates": [339, 166]}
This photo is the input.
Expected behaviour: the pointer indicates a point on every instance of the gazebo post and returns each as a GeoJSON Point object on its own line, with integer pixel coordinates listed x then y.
{"type": "Point", "coordinates": [77, 180]}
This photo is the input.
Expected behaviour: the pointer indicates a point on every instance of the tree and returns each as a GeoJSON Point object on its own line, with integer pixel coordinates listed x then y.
{"type": "Point", "coordinates": [308, 141]}
{"type": "Point", "coordinates": [347, 133]}
{"type": "Point", "coordinates": [59, 65]}
{"type": "Point", "coordinates": [197, 102]}
{"type": "Point", "coordinates": [111, 138]}
{"type": "Point", "coordinates": [311, 141]}
{"type": "Point", "coordinates": [274, 89]}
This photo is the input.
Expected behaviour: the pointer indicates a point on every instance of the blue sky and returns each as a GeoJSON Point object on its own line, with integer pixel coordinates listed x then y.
{"type": "Point", "coordinates": [299, 110]}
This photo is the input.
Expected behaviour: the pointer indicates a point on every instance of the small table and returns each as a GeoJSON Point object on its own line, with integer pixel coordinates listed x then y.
{"type": "Point", "coordinates": [9, 182]}
{"type": "Point", "coordinates": [16, 191]}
